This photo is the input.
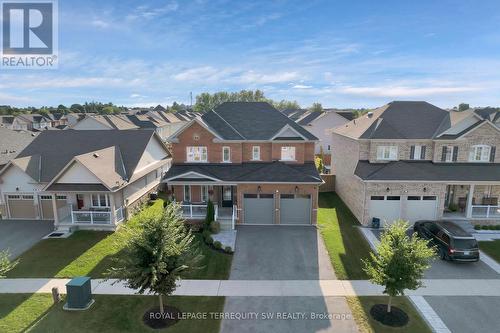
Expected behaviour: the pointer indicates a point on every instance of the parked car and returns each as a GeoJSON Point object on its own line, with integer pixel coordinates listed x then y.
{"type": "Point", "coordinates": [452, 242]}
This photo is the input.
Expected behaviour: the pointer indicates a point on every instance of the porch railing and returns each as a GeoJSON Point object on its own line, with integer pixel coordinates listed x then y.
{"type": "Point", "coordinates": [91, 217]}
{"type": "Point", "coordinates": [197, 211]}
{"type": "Point", "coordinates": [119, 214]}
{"type": "Point", "coordinates": [485, 211]}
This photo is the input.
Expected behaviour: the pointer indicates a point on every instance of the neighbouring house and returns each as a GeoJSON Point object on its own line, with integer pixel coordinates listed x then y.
{"type": "Point", "coordinates": [413, 160]}
{"type": "Point", "coordinates": [12, 143]}
{"type": "Point", "coordinates": [86, 179]}
{"type": "Point", "coordinates": [103, 122]}
{"type": "Point", "coordinates": [254, 163]}
{"type": "Point", "coordinates": [58, 120]}
{"type": "Point", "coordinates": [26, 122]}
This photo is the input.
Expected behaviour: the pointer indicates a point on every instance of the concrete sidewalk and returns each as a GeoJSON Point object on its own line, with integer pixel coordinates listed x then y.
{"type": "Point", "coordinates": [259, 288]}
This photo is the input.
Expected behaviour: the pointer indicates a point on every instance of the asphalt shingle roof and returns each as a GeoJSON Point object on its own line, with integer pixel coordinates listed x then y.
{"type": "Point", "coordinates": [428, 171]}
{"type": "Point", "coordinates": [250, 121]}
{"type": "Point", "coordinates": [12, 143]}
{"type": "Point", "coordinates": [57, 148]}
{"type": "Point", "coordinates": [251, 172]}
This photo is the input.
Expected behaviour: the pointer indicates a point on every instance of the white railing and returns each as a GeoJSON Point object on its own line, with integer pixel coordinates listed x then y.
{"type": "Point", "coordinates": [485, 211]}
{"type": "Point", "coordinates": [119, 214]}
{"type": "Point", "coordinates": [91, 217]}
{"type": "Point", "coordinates": [234, 216]}
{"type": "Point", "coordinates": [216, 212]}
{"type": "Point", "coordinates": [197, 211]}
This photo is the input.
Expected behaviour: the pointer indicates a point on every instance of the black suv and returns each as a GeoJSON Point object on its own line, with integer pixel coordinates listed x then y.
{"type": "Point", "coordinates": [451, 241]}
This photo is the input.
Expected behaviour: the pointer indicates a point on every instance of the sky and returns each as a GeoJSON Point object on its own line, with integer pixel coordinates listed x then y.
{"type": "Point", "coordinates": [339, 53]}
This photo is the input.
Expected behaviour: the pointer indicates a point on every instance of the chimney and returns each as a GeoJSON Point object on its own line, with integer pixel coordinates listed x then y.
{"type": "Point", "coordinates": [370, 114]}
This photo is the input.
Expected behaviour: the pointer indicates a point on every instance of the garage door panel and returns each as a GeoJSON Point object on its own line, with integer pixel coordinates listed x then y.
{"type": "Point", "coordinates": [259, 210]}
{"type": "Point", "coordinates": [46, 207]}
{"type": "Point", "coordinates": [295, 210]}
{"type": "Point", "coordinates": [21, 206]}
{"type": "Point", "coordinates": [386, 208]}
{"type": "Point", "coordinates": [421, 208]}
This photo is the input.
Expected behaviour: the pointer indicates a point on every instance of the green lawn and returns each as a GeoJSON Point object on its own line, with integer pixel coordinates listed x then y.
{"type": "Point", "coordinates": [91, 253]}
{"type": "Point", "coordinates": [492, 248]}
{"type": "Point", "coordinates": [360, 307]}
{"type": "Point", "coordinates": [344, 242]}
{"type": "Point", "coordinates": [20, 312]}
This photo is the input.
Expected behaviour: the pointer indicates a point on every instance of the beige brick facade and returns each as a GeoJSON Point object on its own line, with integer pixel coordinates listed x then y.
{"type": "Point", "coordinates": [404, 149]}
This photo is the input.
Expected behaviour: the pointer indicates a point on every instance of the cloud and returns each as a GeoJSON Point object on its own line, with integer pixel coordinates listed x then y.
{"type": "Point", "coordinates": [402, 91]}
{"type": "Point", "coordinates": [301, 86]}
{"type": "Point", "coordinates": [145, 12]}
{"type": "Point", "coordinates": [252, 77]}
{"type": "Point", "coordinates": [99, 23]}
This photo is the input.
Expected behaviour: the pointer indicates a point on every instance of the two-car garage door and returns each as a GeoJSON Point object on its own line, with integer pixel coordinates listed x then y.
{"type": "Point", "coordinates": [293, 209]}
{"type": "Point", "coordinates": [409, 208]}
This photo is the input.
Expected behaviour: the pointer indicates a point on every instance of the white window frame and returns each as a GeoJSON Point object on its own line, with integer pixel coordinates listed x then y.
{"type": "Point", "coordinates": [480, 153]}
{"type": "Point", "coordinates": [204, 193]}
{"type": "Point", "coordinates": [228, 149]}
{"type": "Point", "coordinates": [387, 153]}
{"type": "Point", "coordinates": [417, 152]}
{"type": "Point", "coordinates": [99, 202]}
{"type": "Point", "coordinates": [449, 154]}
{"type": "Point", "coordinates": [196, 154]}
{"type": "Point", "coordinates": [255, 153]}
{"type": "Point", "coordinates": [288, 153]}
{"type": "Point", "coordinates": [188, 188]}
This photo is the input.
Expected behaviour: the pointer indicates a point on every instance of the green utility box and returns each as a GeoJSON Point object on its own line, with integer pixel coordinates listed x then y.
{"type": "Point", "coordinates": [78, 294]}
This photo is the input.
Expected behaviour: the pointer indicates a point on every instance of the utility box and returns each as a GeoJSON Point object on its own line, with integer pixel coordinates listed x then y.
{"type": "Point", "coordinates": [78, 294]}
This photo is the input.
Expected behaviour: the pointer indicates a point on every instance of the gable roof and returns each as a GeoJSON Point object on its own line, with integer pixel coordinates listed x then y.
{"type": "Point", "coordinates": [399, 120]}
{"type": "Point", "coordinates": [250, 121]}
{"type": "Point", "coordinates": [310, 117]}
{"type": "Point", "coordinates": [58, 148]}
{"type": "Point", "coordinates": [12, 143]}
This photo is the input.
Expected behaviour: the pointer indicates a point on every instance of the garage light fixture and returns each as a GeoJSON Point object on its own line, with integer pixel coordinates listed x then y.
{"type": "Point", "coordinates": [296, 189]}
{"type": "Point", "coordinates": [387, 189]}
{"type": "Point", "coordinates": [259, 189]}
{"type": "Point", "coordinates": [425, 189]}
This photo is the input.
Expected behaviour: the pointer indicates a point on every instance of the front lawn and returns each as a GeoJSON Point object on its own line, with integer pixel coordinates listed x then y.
{"type": "Point", "coordinates": [491, 248]}
{"type": "Point", "coordinates": [344, 242]}
{"type": "Point", "coordinates": [20, 312]}
{"type": "Point", "coordinates": [91, 253]}
{"type": "Point", "coordinates": [360, 307]}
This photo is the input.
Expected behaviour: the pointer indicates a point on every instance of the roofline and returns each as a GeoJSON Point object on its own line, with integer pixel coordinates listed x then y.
{"type": "Point", "coordinates": [265, 141]}
{"type": "Point", "coordinates": [485, 121]}
{"type": "Point", "coordinates": [13, 164]}
{"type": "Point", "coordinates": [238, 182]}
{"type": "Point", "coordinates": [284, 128]}
{"type": "Point", "coordinates": [450, 182]}
{"type": "Point", "coordinates": [173, 137]}
{"type": "Point", "coordinates": [193, 172]}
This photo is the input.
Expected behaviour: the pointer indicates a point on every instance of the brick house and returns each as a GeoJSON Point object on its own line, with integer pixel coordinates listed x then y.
{"type": "Point", "coordinates": [413, 160]}
{"type": "Point", "coordinates": [253, 162]}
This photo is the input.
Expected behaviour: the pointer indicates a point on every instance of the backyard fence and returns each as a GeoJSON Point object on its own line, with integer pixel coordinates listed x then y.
{"type": "Point", "coordinates": [329, 185]}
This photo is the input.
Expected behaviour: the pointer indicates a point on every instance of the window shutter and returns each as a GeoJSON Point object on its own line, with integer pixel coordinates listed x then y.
{"type": "Point", "coordinates": [422, 152]}
{"type": "Point", "coordinates": [443, 154]}
{"type": "Point", "coordinates": [455, 153]}
{"type": "Point", "coordinates": [412, 152]}
{"type": "Point", "coordinates": [492, 154]}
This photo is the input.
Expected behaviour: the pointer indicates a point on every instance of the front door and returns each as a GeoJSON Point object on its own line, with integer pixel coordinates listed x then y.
{"type": "Point", "coordinates": [227, 196]}
{"type": "Point", "coordinates": [79, 201]}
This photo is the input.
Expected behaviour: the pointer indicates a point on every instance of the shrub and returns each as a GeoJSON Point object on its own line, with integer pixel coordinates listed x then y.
{"type": "Point", "coordinates": [218, 245]}
{"type": "Point", "coordinates": [453, 207]}
{"type": "Point", "coordinates": [205, 234]}
{"type": "Point", "coordinates": [209, 240]}
{"type": "Point", "coordinates": [228, 249]}
{"type": "Point", "coordinates": [497, 227]}
{"type": "Point", "coordinates": [484, 227]}
{"type": "Point", "coordinates": [477, 227]}
{"type": "Point", "coordinates": [165, 203]}
{"type": "Point", "coordinates": [214, 227]}
{"type": "Point", "coordinates": [210, 217]}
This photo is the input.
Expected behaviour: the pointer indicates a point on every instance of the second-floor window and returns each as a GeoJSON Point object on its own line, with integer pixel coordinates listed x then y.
{"type": "Point", "coordinates": [256, 153]}
{"type": "Point", "coordinates": [481, 153]}
{"type": "Point", "coordinates": [449, 154]}
{"type": "Point", "coordinates": [196, 154]}
{"type": "Point", "coordinates": [288, 153]}
{"type": "Point", "coordinates": [417, 152]}
{"type": "Point", "coordinates": [387, 153]}
{"type": "Point", "coordinates": [226, 154]}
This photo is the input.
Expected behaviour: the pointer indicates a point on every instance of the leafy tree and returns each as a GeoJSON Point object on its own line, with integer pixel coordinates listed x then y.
{"type": "Point", "coordinates": [286, 105]}
{"type": "Point", "coordinates": [463, 106]}
{"type": "Point", "coordinates": [316, 107]}
{"type": "Point", "coordinates": [400, 261]}
{"type": "Point", "coordinates": [206, 102]}
{"type": "Point", "coordinates": [5, 264]}
{"type": "Point", "coordinates": [77, 108]}
{"type": "Point", "coordinates": [360, 112]}
{"type": "Point", "coordinates": [318, 161]}
{"type": "Point", "coordinates": [157, 253]}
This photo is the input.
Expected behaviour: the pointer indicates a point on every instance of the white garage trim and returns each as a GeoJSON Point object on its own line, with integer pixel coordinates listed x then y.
{"type": "Point", "coordinates": [385, 207]}
{"type": "Point", "coordinates": [421, 207]}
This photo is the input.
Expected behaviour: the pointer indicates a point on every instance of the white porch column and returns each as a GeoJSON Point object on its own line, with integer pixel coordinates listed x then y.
{"type": "Point", "coordinates": [113, 208]}
{"type": "Point", "coordinates": [54, 208]}
{"type": "Point", "coordinates": [469, 201]}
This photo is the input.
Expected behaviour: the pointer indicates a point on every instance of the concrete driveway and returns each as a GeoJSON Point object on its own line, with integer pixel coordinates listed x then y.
{"type": "Point", "coordinates": [284, 253]}
{"type": "Point", "coordinates": [280, 253]}
{"type": "Point", "coordinates": [464, 314]}
{"type": "Point", "coordinates": [441, 269]}
{"type": "Point", "coordinates": [18, 236]}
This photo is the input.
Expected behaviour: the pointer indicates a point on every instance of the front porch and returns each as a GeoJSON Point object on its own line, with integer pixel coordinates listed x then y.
{"type": "Point", "coordinates": [194, 198]}
{"type": "Point", "coordinates": [89, 209]}
{"type": "Point", "coordinates": [472, 202]}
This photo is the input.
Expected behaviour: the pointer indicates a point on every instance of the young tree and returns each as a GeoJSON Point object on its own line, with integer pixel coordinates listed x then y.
{"type": "Point", "coordinates": [318, 161]}
{"type": "Point", "coordinates": [400, 261]}
{"type": "Point", "coordinates": [463, 106]}
{"type": "Point", "coordinates": [5, 264]}
{"type": "Point", "coordinates": [316, 107]}
{"type": "Point", "coordinates": [210, 217]}
{"type": "Point", "coordinates": [157, 253]}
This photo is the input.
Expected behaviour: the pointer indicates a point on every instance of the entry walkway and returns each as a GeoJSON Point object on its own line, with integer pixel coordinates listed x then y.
{"type": "Point", "coordinates": [260, 288]}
